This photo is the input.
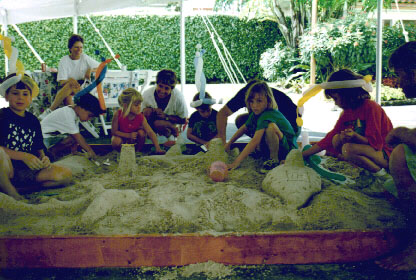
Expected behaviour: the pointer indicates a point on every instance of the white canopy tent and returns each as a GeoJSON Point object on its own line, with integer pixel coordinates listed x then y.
{"type": "Point", "coordinates": [13, 12]}
{"type": "Point", "coordinates": [20, 11]}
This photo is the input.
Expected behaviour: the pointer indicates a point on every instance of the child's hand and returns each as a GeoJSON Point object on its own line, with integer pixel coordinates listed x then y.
{"type": "Point", "coordinates": [160, 152]}
{"type": "Point", "coordinates": [232, 166]}
{"type": "Point", "coordinates": [32, 162]}
{"type": "Point", "coordinates": [347, 135]}
{"type": "Point", "coordinates": [160, 114]}
{"type": "Point", "coordinates": [133, 135]}
{"type": "Point", "coordinates": [16, 195]}
{"type": "Point", "coordinates": [88, 74]}
{"type": "Point", "coordinates": [46, 162]}
{"type": "Point", "coordinates": [73, 85]}
{"type": "Point", "coordinates": [91, 155]}
{"type": "Point", "coordinates": [227, 147]}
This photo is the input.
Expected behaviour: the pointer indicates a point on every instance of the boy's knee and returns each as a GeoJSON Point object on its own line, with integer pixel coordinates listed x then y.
{"type": "Point", "coordinates": [348, 150]}
{"type": "Point", "coordinates": [273, 131]}
{"type": "Point", "coordinates": [63, 175]}
{"type": "Point", "coordinates": [397, 158]}
{"type": "Point", "coordinates": [141, 133]}
{"type": "Point", "coordinates": [116, 141]}
{"type": "Point", "coordinates": [5, 163]}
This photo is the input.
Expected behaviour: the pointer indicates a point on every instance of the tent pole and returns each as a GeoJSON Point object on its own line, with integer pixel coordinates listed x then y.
{"type": "Point", "coordinates": [28, 44]}
{"type": "Point", "coordinates": [313, 26]}
{"type": "Point", "coordinates": [75, 24]}
{"type": "Point", "coordinates": [75, 18]}
{"type": "Point", "coordinates": [379, 51]}
{"type": "Point", "coordinates": [4, 33]}
{"type": "Point", "coordinates": [104, 41]}
{"type": "Point", "coordinates": [183, 73]}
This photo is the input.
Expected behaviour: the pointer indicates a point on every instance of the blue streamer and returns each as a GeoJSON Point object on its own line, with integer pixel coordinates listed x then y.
{"type": "Point", "coordinates": [93, 85]}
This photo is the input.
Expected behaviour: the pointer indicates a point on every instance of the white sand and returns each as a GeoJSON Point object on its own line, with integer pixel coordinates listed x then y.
{"type": "Point", "coordinates": [173, 194]}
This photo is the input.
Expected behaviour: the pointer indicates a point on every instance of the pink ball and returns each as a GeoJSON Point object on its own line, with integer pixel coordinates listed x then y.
{"type": "Point", "coordinates": [218, 171]}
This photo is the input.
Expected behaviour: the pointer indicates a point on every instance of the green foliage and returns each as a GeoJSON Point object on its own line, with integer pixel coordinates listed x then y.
{"type": "Point", "coordinates": [342, 43]}
{"type": "Point", "coordinates": [151, 42]}
{"type": "Point", "coordinates": [348, 43]}
{"type": "Point", "coordinates": [389, 93]}
{"type": "Point", "coordinates": [276, 62]}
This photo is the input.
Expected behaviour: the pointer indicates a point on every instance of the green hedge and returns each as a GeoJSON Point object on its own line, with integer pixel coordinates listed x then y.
{"type": "Point", "coordinates": [151, 42]}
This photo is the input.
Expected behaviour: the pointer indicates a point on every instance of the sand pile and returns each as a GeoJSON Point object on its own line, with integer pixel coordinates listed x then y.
{"type": "Point", "coordinates": [173, 194]}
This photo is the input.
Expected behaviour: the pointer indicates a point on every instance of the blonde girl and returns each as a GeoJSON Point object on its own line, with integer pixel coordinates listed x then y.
{"type": "Point", "coordinates": [129, 125]}
{"type": "Point", "coordinates": [273, 134]}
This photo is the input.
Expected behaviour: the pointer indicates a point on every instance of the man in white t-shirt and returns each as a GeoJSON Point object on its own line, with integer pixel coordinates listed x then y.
{"type": "Point", "coordinates": [75, 67]}
{"type": "Point", "coordinates": [164, 106]}
{"type": "Point", "coordinates": [60, 129]}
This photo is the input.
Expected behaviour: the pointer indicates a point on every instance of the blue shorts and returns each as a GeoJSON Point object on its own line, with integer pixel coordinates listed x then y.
{"type": "Point", "coordinates": [50, 141]}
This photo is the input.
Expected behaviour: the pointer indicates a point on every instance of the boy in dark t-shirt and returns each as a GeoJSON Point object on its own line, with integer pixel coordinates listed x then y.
{"type": "Point", "coordinates": [23, 164]}
{"type": "Point", "coordinates": [202, 123]}
{"type": "Point", "coordinates": [285, 104]}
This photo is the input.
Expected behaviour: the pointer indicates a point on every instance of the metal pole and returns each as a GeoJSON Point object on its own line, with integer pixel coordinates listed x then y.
{"type": "Point", "coordinates": [183, 70]}
{"type": "Point", "coordinates": [313, 26]}
{"type": "Point", "coordinates": [4, 33]}
{"type": "Point", "coordinates": [379, 47]}
{"type": "Point", "coordinates": [75, 18]}
{"type": "Point", "coordinates": [28, 44]}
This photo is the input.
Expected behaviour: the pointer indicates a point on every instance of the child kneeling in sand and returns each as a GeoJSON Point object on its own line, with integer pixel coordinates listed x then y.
{"type": "Point", "coordinates": [202, 126]}
{"type": "Point", "coordinates": [61, 127]}
{"type": "Point", "coordinates": [129, 124]}
{"type": "Point", "coordinates": [359, 134]}
{"type": "Point", "coordinates": [273, 134]}
{"type": "Point", "coordinates": [23, 164]}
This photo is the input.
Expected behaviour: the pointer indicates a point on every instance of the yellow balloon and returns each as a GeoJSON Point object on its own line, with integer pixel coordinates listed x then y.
{"type": "Point", "coordinates": [7, 45]}
{"type": "Point", "coordinates": [312, 92]}
{"type": "Point", "coordinates": [20, 68]}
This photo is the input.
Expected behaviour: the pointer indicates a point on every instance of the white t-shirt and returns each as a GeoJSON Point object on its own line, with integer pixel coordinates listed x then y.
{"type": "Point", "coordinates": [75, 69]}
{"type": "Point", "coordinates": [176, 105]}
{"type": "Point", "coordinates": [63, 120]}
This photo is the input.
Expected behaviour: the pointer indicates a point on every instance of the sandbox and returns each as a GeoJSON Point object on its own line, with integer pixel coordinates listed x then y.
{"type": "Point", "coordinates": [169, 212]}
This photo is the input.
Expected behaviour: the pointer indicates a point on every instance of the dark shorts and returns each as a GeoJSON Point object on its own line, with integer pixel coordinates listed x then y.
{"type": "Point", "coordinates": [284, 148]}
{"type": "Point", "coordinates": [23, 175]}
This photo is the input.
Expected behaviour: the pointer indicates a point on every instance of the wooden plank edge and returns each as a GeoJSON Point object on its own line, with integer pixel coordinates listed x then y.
{"type": "Point", "coordinates": [293, 247]}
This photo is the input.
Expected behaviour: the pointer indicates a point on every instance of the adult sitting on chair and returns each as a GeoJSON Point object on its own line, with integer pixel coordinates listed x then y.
{"type": "Point", "coordinates": [73, 68]}
{"type": "Point", "coordinates": [284, 103]}
{"type": "Point", "coordinates": [164, 106]}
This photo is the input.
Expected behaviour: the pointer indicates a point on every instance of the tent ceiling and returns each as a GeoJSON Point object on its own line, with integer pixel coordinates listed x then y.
{"type": "Point", "coordinates": [20, 11]}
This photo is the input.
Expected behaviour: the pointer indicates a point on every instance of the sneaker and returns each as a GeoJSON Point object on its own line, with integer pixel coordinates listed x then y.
{"type": "Point", "coordinates": [44, 114]}
{"type": "Point", "coordinates": [382, 174]}
{"type": "Point", "coordinates": [269, 165]}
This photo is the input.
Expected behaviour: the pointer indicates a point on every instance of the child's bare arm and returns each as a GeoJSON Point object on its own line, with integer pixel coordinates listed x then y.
{"type": "Point", "coordinates": [81, 141]}
{"type": "Point", "coordinates": [349, 135]}
{"type": "Point", "coordinates": [30, 160]}
{"type": "Point", "coordinates": [236, 135]}
{"type": "Point", "coordinates": [194, 138]}
{"type": "Point", "coordinates": [152, 135]}
{"type": "Point", "coordinates": [402, 135]}
{"type": "Point", "coordinates": [250, 147]}
{"type": "Point", "coordinates": [312, 150]}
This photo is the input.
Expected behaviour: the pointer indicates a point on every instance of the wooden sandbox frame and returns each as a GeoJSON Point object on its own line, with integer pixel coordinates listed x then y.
{"type": "Point", "coordinates": [284, 247]}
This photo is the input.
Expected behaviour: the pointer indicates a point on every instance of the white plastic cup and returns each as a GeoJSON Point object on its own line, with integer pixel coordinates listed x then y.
{"type": "Point", "coordinates": [305, 138]}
